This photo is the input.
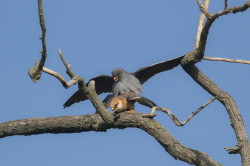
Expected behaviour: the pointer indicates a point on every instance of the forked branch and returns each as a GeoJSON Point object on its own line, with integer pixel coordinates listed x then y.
{"type": "Point", "coordinates": [173, 117]}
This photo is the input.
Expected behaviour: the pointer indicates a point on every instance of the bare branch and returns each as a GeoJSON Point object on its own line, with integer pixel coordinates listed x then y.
{"type": "Point", "coordinates": [231, 107]}
{"type": "Point", "coordinates": [173, 117]}
{"type": "Point", "coordinates": [36, 71]}
{"type": "Point", "coordinates": [234, 9]}
{"type": "Point", "coordinates": [60, 78]}
{"type": "Point", "coordinates": [74, 78]}
{"type": "Point", "coordinates": [107, 116]}
{"type": "Point", "coordinates": [94, 122]}
{"type": "Point", "coordinates": [68, 71]}
{"type": "Point", "coordinates": [233, 150]}
{"type": "Point", "coordinates": [201, 21]}
{"type": "Point", "coordinates": [204, 8]}
{"type": "Point", "coordinates": [226, 60]}
{"type": "Point", "coordinates": [225, 5]}
{"type": "Point", "coordinates": [204, 33]}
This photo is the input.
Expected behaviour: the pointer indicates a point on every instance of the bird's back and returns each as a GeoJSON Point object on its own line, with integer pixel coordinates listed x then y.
{"type": "Point", "coordinates": [126, 85]}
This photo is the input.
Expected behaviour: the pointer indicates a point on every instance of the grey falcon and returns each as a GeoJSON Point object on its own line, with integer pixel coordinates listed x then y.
{"type": "Point", "coordinates": [122, 83]}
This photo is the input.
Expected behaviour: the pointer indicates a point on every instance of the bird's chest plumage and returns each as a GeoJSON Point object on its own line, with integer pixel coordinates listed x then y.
{"type": "Point", "coordinates": [127, 85]}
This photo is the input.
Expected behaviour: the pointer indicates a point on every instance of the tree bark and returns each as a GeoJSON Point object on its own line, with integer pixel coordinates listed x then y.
{"type": "Point", "coordinates": [94, 122]}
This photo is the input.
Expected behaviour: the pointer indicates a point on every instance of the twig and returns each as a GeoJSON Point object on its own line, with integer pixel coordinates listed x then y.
{"type": "Point", "coordinates": [68, 71]}
{"type": "Point", "coordinates": [173, 117]}
{"type": "Point", "coordinates": [201, 21]}
{"type": "Point", "coordinates": [36, 71]}
{"type": "Point", "coordinates": [234, 9]}
{"type": "Point", "coordinates": [74, 78]}
{"type": "Point", "coordinates": [60, 78]}
{"type": "Point", "coordinates": [233, 150]}
{"type": "Point", "coordinates": [225, 7]}
{"type": "Point", "coordinates": [226, 60]}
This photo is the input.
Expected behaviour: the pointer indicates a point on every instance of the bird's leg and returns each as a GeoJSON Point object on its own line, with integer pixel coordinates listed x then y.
{"type": "Point", "coordinates": [148, 103]}
{"type": "Point", "coordinates": [143, 101]}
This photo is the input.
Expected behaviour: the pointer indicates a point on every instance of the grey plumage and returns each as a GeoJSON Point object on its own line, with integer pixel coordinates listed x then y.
{"type": "Point", "coordinates": [129, 82]}
{"type": "Point", "coordinates": [126, 83]}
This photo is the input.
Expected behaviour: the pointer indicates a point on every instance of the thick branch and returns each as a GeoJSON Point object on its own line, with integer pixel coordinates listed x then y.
{"type": "Point", "coordinates": [231, 107]}
{"type": "Point", "coordinates": [36, 71]}
{"type": "Point", "coordinates": [94, 122]}
{"type": "Point", "coordinates": [107, 116]}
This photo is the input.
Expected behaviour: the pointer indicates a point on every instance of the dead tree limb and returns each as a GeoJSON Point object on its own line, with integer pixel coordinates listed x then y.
{"type": "Point", "coordinates": [225, 5]}
{"type": "Point", "coordinates": [94, 122]}
{"type": "Point", "coordinates": [188, 64]}
{"type": "Point", "coordinates": [88, 90]}
{"type": "Point", "coordinates": [226, 60]}
{"type": "Point", "coordinates": [173, 117]}
{"type": "Point", "coordinates": [201, 23]}
{"type": "Point", "coordinates": [36, 71]}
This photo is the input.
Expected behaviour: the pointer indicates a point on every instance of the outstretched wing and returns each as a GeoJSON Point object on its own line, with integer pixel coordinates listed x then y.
{"type": "Point", "coordinates": [103, 84]}
{"type": "Point", "coordinates": [147, 72]}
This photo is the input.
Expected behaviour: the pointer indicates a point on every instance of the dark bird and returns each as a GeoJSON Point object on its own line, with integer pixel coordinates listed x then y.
{"type": "Point", "coordinates": [122, 83]}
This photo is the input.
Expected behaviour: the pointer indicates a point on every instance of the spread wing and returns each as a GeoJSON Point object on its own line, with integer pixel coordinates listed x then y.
{"type": "Point", "coordinates": [147, 72]}
{"type": "Point", "coordinates": [103, 84]}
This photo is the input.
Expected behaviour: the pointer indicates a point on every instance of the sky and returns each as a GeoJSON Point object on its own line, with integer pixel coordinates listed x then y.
{"type": "Point", "coordinates": [98, 36]}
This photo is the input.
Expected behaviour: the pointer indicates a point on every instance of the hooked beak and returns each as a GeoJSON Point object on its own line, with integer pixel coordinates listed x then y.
{"type": "Point", "coordinates": [115, 78]}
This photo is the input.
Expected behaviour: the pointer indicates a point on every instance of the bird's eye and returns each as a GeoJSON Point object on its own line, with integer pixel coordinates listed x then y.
{"type": "Point", "coordinates": [115, 106]}
{"type": "Point", "coordinates": [116, 78]}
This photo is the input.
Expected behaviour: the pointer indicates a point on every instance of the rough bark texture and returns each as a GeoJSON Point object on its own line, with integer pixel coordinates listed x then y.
{"type": "Point", "coordinates": [105, 120]}
{"type": "Point", "coordinates": [231, 107]}
{"type": "Point", "coordinates": [94, 122]}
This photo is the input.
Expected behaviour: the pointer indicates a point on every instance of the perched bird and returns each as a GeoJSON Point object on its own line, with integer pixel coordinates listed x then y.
{"type": "Point", "coordinates": [122, 104]}
{"type": "Point", "coordinates": [123, 83]}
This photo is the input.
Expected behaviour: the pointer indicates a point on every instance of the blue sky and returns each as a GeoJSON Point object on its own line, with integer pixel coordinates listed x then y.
{"type": "Point", "coordinates": [98, 36]}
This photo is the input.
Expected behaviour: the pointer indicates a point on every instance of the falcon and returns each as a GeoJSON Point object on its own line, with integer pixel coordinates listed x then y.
{"type": "Point", "coordinates": [122, 83]}
{"type": "Point", "coordinates": [122, 104]}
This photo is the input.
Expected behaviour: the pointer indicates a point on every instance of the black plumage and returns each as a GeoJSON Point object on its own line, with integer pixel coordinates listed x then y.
{"type": "Point", "coordinates": [106, 83]}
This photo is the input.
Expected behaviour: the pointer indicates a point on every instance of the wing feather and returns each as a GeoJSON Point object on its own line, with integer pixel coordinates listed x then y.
{"type": "Point", "coordinates": [147, 72]}
{"type": "Point", "coordinates": [103, 84]}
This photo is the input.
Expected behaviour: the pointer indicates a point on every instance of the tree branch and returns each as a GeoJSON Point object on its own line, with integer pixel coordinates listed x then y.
{"type": "Point", "coordinates": [94, 122]}
{"type": "Point", "coordinates": [201, 21]}
{"type": "Point", "coordinates": [60, 78]}
{"type": "Point", "coordinates": [173, 117]}
{"type": "Point", "coordinates": [36, 71]}
{"type": "Point", "coordinates": [225, 5]}
{"type": "Point", "coordinates": [233, 150]}
{"type": "Point", "coordinates": [107, 116]}
{"type": "Point", "coordinates": [231, 107]}
{"type": "Point", "coordinates": [226, 60]}
{"type": "Point", "coordinates": [209, 22]}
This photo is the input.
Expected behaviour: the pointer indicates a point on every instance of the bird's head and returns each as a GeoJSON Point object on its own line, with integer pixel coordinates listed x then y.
{"type": "Point", "coordinates": [116, 104]}
{"type": "Point", "coordinates": [118, 73]}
